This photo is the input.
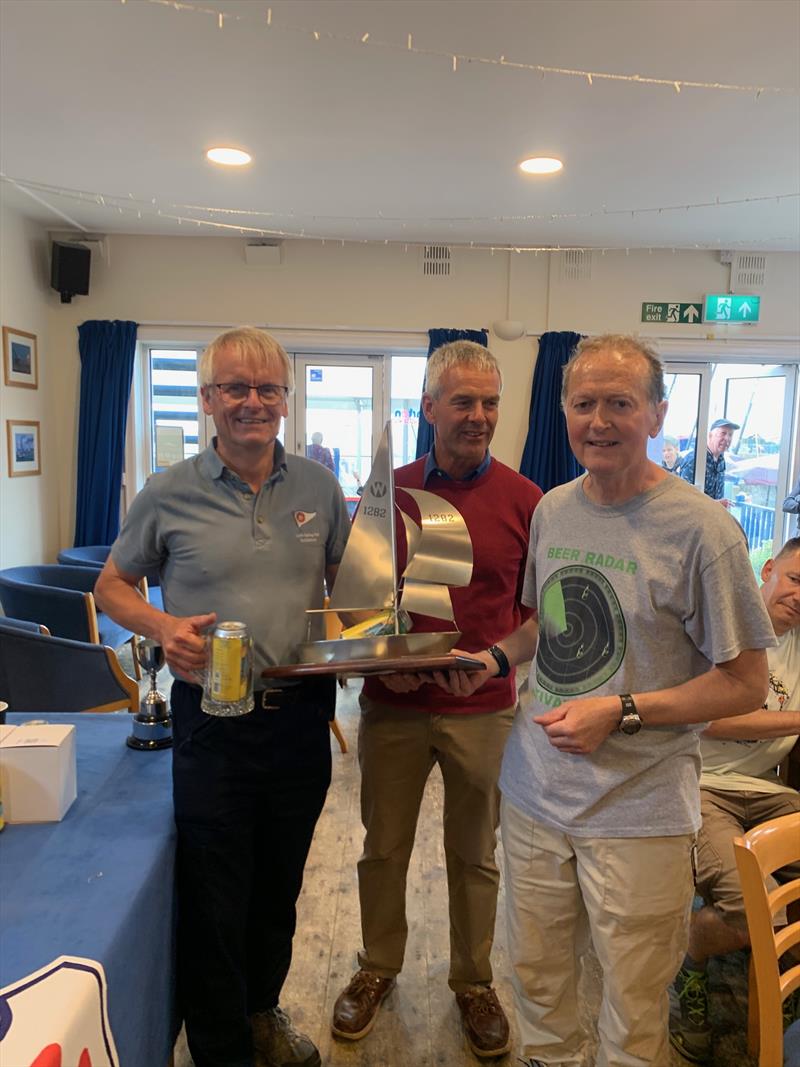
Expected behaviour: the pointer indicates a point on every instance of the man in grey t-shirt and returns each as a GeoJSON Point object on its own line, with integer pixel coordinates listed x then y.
{"type": "Point", "coordinates": [648, 619]}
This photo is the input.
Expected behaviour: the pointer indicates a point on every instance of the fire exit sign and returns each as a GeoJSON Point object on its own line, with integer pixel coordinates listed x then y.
{"type": "Point", "coordinates": [663, 311]}
{"type": "Point", "coordinates": [725, 307]}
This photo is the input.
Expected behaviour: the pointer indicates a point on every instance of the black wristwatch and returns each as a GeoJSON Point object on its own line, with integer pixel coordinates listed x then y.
{"type": "Point", "coordinates": [501, 659]}
{"type": "Point", "coordinates": [630, 722]}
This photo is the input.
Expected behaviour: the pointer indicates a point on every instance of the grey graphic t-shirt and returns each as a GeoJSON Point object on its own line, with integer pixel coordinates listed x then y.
{"type": "Point", "coordinates": [631, 598]}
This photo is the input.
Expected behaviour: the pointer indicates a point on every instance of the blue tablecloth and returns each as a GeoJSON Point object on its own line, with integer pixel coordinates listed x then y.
{"type": "Point", "coordinates": [100, 884]}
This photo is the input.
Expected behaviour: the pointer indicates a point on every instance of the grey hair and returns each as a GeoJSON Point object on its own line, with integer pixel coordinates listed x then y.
{"type": "Point", "coordinates": [458, 354]}
{"type": "Point", "coordinates": [626, 346]}
{"type": "Point", "coordinates": [250, 343]}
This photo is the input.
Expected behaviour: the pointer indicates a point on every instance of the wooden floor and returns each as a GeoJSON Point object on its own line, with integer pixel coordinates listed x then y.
{"type": "Point", "coordinates": [419, 1025]}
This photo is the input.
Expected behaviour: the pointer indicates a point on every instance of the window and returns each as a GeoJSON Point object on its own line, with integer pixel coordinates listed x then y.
{"type": "Point", "coordinates": [761, 399]}
{"type": "Point", "coordinates": [175, 416]}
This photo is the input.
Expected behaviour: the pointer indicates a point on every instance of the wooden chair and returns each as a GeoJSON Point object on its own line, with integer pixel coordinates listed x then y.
{"type": "Point", "coordinates": [760, 852]}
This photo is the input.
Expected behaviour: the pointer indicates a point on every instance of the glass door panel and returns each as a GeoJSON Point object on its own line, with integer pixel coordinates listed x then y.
{"type": "Point", "coordinates": [757, 397]}
{"type": "Point", "coordinates": [683, 390]}
{"type": "Point", "coordinates": [407, 376]}
{"type": "Point", "coordinates": [176, 431]}
{"type": "Point", "coordinates": [335, 417]}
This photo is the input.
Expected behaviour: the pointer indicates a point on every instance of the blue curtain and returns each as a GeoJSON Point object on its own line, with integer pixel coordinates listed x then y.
{"type": "Point", "coordinates": [547, 458]}
{"type": "Point", "coordinates": [437, 338]}
{"type": "Point", "coordinates": [107, 350]}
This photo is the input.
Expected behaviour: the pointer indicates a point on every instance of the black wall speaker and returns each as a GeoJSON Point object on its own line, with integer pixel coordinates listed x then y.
{"type": "Point", "coordinates": [69, 273]}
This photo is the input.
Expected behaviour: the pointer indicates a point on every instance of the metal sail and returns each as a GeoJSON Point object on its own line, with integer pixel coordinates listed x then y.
{"type": "Point", "coordinates": [367, 576]}
{"type": "Point", "coordinates": [444, 552]}
{"type": "Point", "coordinates": [428, 598]}
{"type": "Point", "coordinates": [439, 555]}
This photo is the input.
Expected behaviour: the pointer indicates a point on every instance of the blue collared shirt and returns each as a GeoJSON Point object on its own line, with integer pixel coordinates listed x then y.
{"type": "Point", "coordinates": [432, 467]}
{"type": "Point", "coordinates": [715, 473]}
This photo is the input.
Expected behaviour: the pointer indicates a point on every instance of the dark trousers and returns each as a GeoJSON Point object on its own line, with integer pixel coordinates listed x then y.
{"type": "Point", "coordinates": [248, 792]}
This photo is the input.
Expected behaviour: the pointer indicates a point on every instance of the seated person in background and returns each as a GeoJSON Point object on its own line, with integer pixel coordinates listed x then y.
{"type": "Point", "coordinates": [320, 453]}
{"type": "Point", "coordinates": [670, 455]}
{"type": "Point", "coordinates": [739, 789]}
{"type": "Point", "coordinates": [720, 436]}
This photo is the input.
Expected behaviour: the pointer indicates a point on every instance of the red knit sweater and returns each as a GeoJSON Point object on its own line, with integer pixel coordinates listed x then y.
{"type": "Point", "coordinates": [497, 508]}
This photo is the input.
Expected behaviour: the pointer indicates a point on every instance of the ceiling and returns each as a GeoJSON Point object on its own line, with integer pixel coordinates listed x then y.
{"type": "Point", "coordinates": [107, 108]}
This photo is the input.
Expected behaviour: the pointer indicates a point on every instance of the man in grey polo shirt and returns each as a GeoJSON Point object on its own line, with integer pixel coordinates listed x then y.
{"type": "Point", "coordinates": [242, 531]}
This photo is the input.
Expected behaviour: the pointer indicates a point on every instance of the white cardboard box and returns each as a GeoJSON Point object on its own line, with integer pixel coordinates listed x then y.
{"type": "Point", "coordinates": [37, 772]}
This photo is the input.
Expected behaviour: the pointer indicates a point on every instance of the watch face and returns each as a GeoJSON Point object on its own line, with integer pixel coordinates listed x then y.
{"type": "Point", "coordinates": [630, 723]}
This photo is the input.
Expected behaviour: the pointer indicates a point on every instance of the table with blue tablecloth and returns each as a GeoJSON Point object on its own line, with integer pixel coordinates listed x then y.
{"type": "Point", "coordinates": [96, 887]}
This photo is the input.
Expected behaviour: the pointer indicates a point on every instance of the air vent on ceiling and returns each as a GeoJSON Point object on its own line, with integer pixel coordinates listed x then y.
{"type": "Point", "coordinates": [576, 265]}
{"type": "Point", "coordinates": [436, 261]}
{"type": "Point", "coordinates": [748, 272]}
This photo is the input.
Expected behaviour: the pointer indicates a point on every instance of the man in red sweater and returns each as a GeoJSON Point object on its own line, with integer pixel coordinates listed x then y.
{"type": "Point", "coordinates": [408, 724]}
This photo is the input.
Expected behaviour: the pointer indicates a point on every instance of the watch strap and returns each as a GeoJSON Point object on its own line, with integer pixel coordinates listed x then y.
{"type": "Point", "coordinates": [628, 705]}
{"type": "Point", "coordinates": [501, 659]}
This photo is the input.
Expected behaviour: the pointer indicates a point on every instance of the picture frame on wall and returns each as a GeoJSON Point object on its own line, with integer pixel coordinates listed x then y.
{"type": "Point", "coordinates": [20, 358]}
{"type": "Point", "coordinates": [24, 453]}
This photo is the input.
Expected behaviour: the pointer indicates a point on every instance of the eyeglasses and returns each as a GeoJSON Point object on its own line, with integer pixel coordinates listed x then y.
{"type": "Point", "coordinates": [267, 393]}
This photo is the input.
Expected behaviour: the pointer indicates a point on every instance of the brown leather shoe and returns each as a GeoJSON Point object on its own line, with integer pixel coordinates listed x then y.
{"type": "Point", "coordinates": [485, 1022]}
{"type": "Point", "coordinates": [356, 1007]}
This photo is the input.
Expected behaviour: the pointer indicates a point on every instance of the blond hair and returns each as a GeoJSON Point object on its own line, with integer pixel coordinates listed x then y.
{"type": "Point", "coordinates": [249, 343]}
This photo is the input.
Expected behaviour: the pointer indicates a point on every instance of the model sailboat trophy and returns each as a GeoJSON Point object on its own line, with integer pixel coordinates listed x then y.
{"type": "Point", "coordinates": [439, 555]}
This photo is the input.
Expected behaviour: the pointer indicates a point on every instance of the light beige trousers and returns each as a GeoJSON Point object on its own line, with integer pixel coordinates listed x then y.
{"type": "Point", "coordinates": [632, 898]}
{"type": "Point", "coordinates": [397, 749]}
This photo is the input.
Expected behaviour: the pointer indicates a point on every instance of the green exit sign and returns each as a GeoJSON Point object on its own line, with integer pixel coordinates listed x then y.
{"type": "Point", "coordinates": [725, 307]}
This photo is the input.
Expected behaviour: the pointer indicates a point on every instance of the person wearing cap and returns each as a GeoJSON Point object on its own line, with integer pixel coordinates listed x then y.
{"type": "Point", "coordinates": [720, 436]}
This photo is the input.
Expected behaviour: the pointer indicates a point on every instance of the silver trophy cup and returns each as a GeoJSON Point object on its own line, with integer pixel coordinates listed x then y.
{"type": "Point", "coordinates": [152, 725]}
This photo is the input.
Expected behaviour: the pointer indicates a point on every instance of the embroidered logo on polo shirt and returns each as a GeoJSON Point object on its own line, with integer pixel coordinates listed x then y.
{"type": "Point", "coordinates": [302, 517]}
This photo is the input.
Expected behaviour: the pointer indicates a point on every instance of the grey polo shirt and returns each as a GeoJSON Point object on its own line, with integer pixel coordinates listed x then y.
{"type": "Point", "coordinates": [258, 558]}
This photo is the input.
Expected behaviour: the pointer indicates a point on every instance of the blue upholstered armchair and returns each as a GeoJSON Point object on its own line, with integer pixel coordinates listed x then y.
{"type": "Point", "coordinates": [96, 555]}
{"type": "Point", "coordinates": [86, 556]}
{"type": "Point", "coordinates": [61, 599]}
{"type": "Point", "coordinates": [42, 674]}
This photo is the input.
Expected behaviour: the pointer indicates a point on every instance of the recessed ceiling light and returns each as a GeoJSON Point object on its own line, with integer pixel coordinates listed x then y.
{"type": "Point", "coordinates": [228, 157]}
{"type": "Point", "coordinates": [541, 165]}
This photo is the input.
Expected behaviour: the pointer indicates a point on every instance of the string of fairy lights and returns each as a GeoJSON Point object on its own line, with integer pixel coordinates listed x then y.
{"type": "Point", "coordinates": [245, 221]}
{"type": "Point", "coordinates": [267, 21]}
{"type": "Point", "coordinates": [196, 215]}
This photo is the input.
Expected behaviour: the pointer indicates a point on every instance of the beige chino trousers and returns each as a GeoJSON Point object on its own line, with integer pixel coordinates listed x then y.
{"type": "Point", "coordinates": [397, 750]}
{"type": "Point", "coordinates": [632, 898]}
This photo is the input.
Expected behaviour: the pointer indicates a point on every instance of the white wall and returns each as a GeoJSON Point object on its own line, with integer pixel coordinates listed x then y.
{"type": "Point", "coordinates": [611, 301]}
{"type": "Point", "coordinates": [205, 280]}
{"type": "Point", "coordinates": [29, 526]}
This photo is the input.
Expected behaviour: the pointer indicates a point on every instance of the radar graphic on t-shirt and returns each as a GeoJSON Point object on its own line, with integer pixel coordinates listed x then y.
{"type": "Point", "coordinates": [581, 631]}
